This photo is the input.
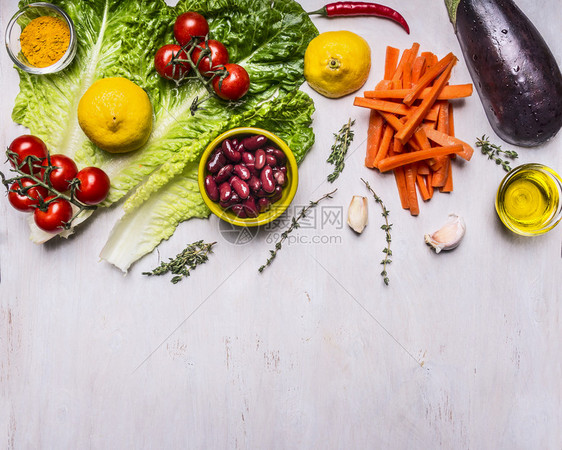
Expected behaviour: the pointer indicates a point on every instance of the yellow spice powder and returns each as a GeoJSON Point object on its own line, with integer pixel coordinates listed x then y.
{"type": "Point", "coordinates": [45, 40]}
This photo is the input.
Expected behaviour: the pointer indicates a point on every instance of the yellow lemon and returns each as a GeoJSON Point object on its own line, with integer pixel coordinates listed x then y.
{"type": "Point", "coordinates": [116, 115]}
{"type": "Point", "coordinates": [337, 63]}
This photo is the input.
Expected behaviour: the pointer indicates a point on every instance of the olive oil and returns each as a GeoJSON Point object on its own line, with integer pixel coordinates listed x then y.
{"type": "Point", "coordinates": [528, 200]}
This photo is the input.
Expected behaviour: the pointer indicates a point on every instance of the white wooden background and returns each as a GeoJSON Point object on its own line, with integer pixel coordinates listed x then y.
{"type": "Point", "coordinates": [462, 350]}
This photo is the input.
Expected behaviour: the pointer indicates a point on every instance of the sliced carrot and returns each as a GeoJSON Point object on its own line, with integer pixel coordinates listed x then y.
{"type": "Point", "coordinates": [391, 61]}
{"type": "Point", "coordinates": [421, 139]}
{"type": "Point", "coordinates": [417, 117]}
{"type": "Point", "coordinates": [400, 178]}
{"type": "Point", "coordinates": [449, 92]}
{"type": "Point", "coordinates": [448, 186]}
{"type": "Point", "coordinates": [424, 192]}
{"type": "Point", "coordinates": [428, 77]}
{"type": "Point", "coordinates": [400, 67]}
{"type": "Point", "coordinates": [430, 59]}
{"type": "Point", "coordinates": [445, 139]}
{"type": "Point", "coordinates": [374, 135]}
{"type": "Point", "coordinates": [410, 174]}
{"type": "Point", "coordinates": [418, 68]}
{"type": "Point", "coordinates": [423, 168]}
{"type": "Point", "coordinates": [392, 162]}
{"type": "Point", "coordinates": [428, 180]}
{"type": "Point", "coordinates": [393, 107]}
{"type": "Point", "coordinates": [385, 144]}
{"type": "Point", "coordinates": [440, 175]}
{"type": "Point", "coordinates": [407, 75]}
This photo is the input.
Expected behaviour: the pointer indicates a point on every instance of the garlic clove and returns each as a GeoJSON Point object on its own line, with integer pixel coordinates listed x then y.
{"type": "Point", "coordinates": [357, 213]}
{"type": "Point", "coordinates": [448, 236]}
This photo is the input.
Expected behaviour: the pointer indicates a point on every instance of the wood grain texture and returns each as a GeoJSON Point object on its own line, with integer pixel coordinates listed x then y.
{"type": "Point", "coordinates": [462, 350]}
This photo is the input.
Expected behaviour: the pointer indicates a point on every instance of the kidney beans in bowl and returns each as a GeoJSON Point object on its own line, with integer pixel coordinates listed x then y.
{"type": "Point", "coordinates": [248, 176]}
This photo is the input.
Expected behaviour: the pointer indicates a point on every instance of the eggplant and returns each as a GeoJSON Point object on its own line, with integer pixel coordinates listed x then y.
{"type": "Point", "coordinates": [513, 70]}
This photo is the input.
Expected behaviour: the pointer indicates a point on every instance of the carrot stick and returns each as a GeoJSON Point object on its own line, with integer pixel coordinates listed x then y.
{"type": "Point", "coordinates": [392, 162]}
{"type": "Point", "coordinates": [450, 92]}
{"type": "Point", "coordinates": [443, 117]}
{"type": "Point", "coordinates": [448, 186]}
{"type": "Point", "coordinates": [409, 172]}
{"type": "Point", "coordinates": [374, 135]}
{"type": "Point", "coordinates": [420, 181]}
{"type": "Point", "coordinates": [430, 59]}
{"type": "Point", "coordinates": [421, 139]}
{"type": "Point", "coordinates": [400, 178]}
{"type": "Point", "coordinates": [429, 76]}
{"type": "Point", "coordinates": [428, 180]}
{"type": "Point", "coordinates": [417, 117]}
{"type": "Point", "coordinates": [407, 75]}
{"type": "Point", "coordinates": [440, 175]}
{"type": "Point", "coordinates": [391, 61]}
{"type": "Point", "coordinates": [393, 107]}
{"type": "Point", "coordinates": [385, 144]}
{"type": "Point", "coordinates": [445, 139]}
{"type": "Point", "coordinates": [418, 68]}
{"type": "Point", "coordinates": [423, 168]}
{"type": "Point", "coordinates": [400, 67]}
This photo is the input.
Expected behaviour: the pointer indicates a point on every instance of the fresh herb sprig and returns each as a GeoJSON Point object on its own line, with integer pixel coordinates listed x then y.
{"type": "Point", "coordinates": [181, 266]}
{"type": "Point", "coordinates": [495, 152]}
{"type": "Point", "coordinates": [294, 225]}
{"type": "Point", "coordinates": [386, 227]}
{"type": "Point", "coordinates": [344, 138]}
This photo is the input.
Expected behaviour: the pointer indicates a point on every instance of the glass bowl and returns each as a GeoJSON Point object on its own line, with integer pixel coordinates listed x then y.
{"type": "Point", "coordinates": [277, 208]}
{"type": "Point", "coordinates": [529, 199]}
{"type": "Point", "coordinates": [18, 23]}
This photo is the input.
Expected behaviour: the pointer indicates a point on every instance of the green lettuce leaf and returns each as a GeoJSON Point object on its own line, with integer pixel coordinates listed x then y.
{"type": "Point", "coordinates": [120, 38]}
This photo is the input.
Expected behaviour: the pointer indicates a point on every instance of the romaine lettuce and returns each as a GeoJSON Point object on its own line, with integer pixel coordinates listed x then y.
{"type": "Point", "coordinates": [119, 38]}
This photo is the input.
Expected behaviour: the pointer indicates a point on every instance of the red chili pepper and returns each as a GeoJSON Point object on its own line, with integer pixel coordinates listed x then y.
{"type": "Point", "coordinates": [341, 9]}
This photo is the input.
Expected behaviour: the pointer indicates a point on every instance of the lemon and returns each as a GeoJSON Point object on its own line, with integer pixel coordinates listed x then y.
{"type": "Point", "coordinates": [116, 115]}
{"type": "Point", "coordinates": [337, 63]}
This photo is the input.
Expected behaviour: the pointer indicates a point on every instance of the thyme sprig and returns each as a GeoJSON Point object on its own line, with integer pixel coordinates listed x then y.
{"type": "Point", "coordinates": [386, 227]}
{"type": "Point", "coordinates": [181, 266]}
{"type": "Point", "coordinates": [495, 152]}
{"type": "Point", "coordinates": [25, 170]}
{"type": "Point", "coordinates": [344, 138]}
{"type": "Point", "coordinates": [294, 225]}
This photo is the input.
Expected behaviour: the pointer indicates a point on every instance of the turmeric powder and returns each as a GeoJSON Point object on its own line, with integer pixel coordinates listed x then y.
{"type": "Point", "coordinates": [45, 40]}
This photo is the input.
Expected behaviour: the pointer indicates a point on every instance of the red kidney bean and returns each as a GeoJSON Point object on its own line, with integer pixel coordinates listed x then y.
{"type": "Point", "coordinates": [248, 158]}
{"type": "Point", "coordinates": [211, 188]}
{"type": "Point", "coordinates": [279, 155]}
{"type": "Point", "coordinates": [270, 160]}
{"type": "Point", "coordinates": [240, 186]}
{"type": "Point", "coordinates": [276, 195]}
{"type": "Point", "coordinates": [239, 210]}
{"type": "Point", "coordinates": [252, 143]}
{"type": "Point", "coordinates": [252, 168]}
{"type": "Point", "coordinates": [254, 183]}
{"type": "Point", "coordinates": [260, 193]}
{"type": "Point", "coordinates": [224, 174]}
{"type": "Point", "coordinates": [242, 171]}
{"type": "Point", "coordinates": [267, 180]}
{"type": "Point", "coordinates": [216, 161]}
{"type": "Point", "coordinates": [260, 159]}
{"type": "Point", "coordinates": [225, 192]}
{"type": "Point", "coordinates": [282, 169]}
{"type": "Point", "coordinates": [280, 178]}
{"type": "Point", "coordinates": [235, 142]}
{"type": "Point", "coordinates": [250, 207]}
{"type": "Point", "coordinates": [230, 152]}
{"type": "Point", "coordinates": [263, 204]}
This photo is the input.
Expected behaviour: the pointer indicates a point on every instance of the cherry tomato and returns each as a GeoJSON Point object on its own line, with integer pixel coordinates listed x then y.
{"type": "Point", "coordinates": [27, 145]}
{"type": "Point", "coordinates": [57, 214]}
{"type": "Point", "coordinates": [28, 201]}
{"type": "Point", "coordinates": [93, 187]}
{"type": "Point", "coordinates": [218, 57]}
{"type": "Point", "coordinates": [234, 85]}
{"type": "Point", "coordinates": [167, 62]}
{"type": "Point", "coordinates": [64, 172]}
{"type": "Point", "coordinates": [190, 24]}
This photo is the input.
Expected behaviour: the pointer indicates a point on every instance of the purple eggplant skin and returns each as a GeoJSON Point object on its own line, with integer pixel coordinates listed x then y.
{"type": "Point", "coordinates": [514, 71]}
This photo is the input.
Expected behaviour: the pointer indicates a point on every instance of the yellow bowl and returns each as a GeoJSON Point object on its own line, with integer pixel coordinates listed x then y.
{"type": "Point", "coordinates": [279, 207]}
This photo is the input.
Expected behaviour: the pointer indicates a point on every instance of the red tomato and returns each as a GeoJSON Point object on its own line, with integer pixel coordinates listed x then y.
{"type": "Point", "coordinates": [57, 214]}
{"type": "Point", "coordinates": [93, 187]}
{"type": "Point", "coordinates": [27, 201]}
{"type": "Point", "coordinates": [188, 25]}
{"type": "Point", "coordinates": [234, 85]}
{"type": "Point", "coordinates": [218, 56]}
{"type": "Point", "coordinates": [25, 146]}
{"type": "Point", "coordinates": [64, 172]}
{"type": "Point", "coordinates": [167, 62]}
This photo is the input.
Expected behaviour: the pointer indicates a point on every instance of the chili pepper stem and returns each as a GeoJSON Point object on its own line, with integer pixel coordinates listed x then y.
{"type": "Point", "coordinates": [321, 11]}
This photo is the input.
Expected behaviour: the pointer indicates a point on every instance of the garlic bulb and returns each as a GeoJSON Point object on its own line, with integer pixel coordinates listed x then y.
{"type": "Point", "coordinates": [357, 213]}
{"type": "Point", "coordinates": [448, 236]}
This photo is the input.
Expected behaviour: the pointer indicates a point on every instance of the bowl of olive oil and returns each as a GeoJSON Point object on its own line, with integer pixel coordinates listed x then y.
{"type": "Point", "coordinates": [529, 199]}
